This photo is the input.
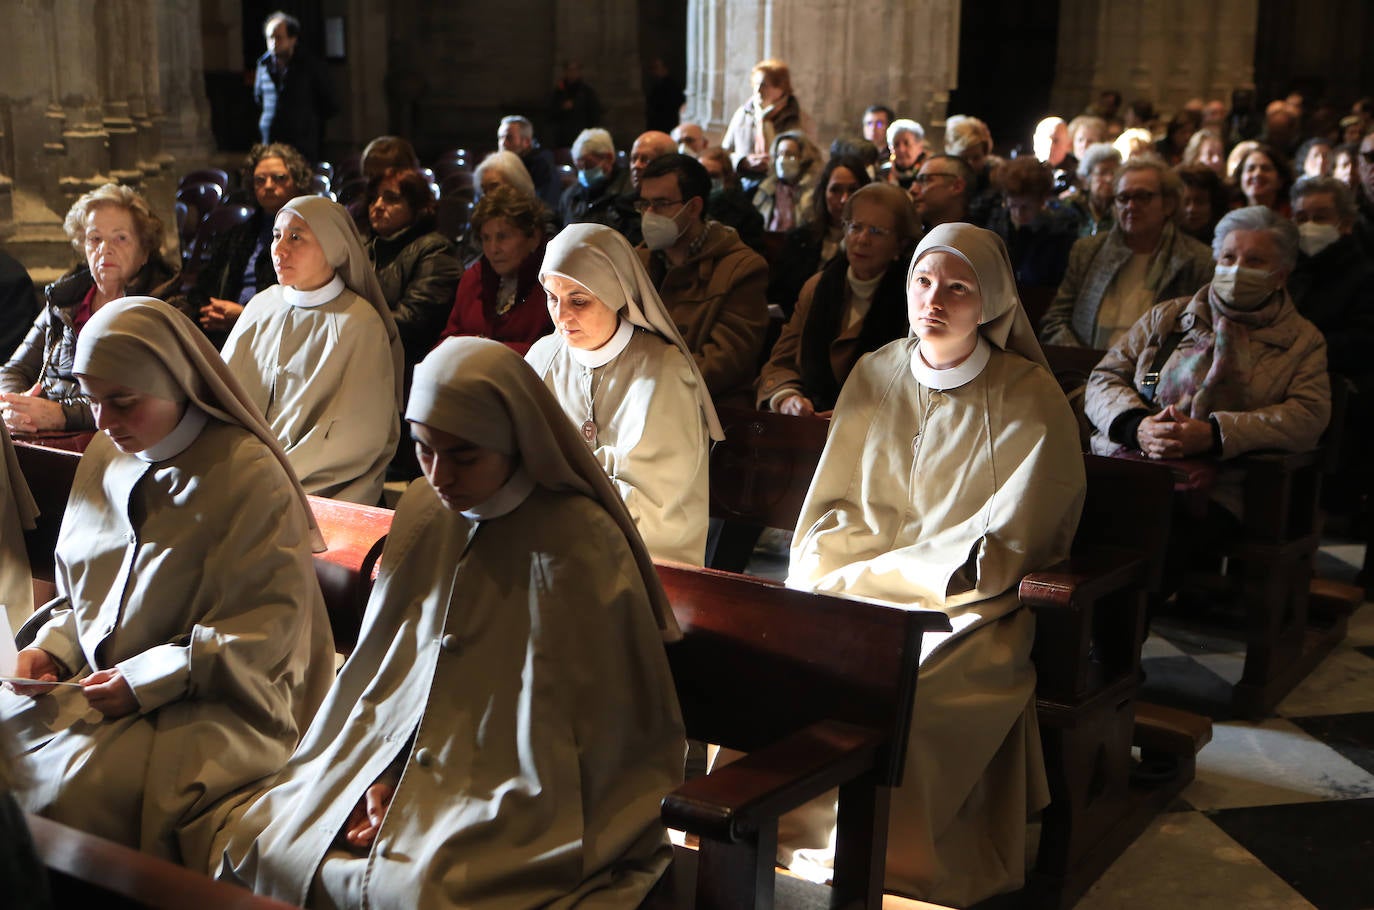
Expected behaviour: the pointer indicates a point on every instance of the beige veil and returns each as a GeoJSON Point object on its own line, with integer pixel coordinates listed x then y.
{"type": "Point", "coordinates": [343, 248]}
{"type": "Point", "coordinates": [482, 391]}
{"type": "Point", "coordinates": [603, 262]}
{"type": "Point", "coordinates": [149, 346]}
{"type": "Point", "coordinates": [1004, 322]}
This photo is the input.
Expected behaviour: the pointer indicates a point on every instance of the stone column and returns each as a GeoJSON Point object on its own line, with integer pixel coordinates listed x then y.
{"type": "Point", "coordinates": [184, 110]}
{"type": "Point", "coordinates": [604, 36]}
{"type": "Point", "coordinates": [118, 69]}
{"type": "Point", "coordinates": [843, 57]}
{"type": "Point", "coordinates": [1166, 51]}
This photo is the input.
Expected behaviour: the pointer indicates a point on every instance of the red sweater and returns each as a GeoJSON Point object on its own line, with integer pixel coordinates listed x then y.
{"type": "Point", "coordinates": [474, 306]}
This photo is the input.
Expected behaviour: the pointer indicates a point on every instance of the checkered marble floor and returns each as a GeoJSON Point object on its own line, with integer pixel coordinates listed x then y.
{"type": "Point", "coordinates": [1281, 813]}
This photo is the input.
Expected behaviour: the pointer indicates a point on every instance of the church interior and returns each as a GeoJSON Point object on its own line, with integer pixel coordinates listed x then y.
{"type": "Point", "coordinates": [1277, 811]}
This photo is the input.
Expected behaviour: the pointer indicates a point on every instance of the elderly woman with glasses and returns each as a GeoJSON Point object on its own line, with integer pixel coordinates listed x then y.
{"type": "Point", "coordinates": [1115, 277]}
{"type": "Point", "coordinates": [854, 305]}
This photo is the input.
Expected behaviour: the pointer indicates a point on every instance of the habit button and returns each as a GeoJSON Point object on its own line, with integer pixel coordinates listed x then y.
{"type": "Point", "coordinates": [424, 758]}
{"type": "Point", "coordinates": [449, 643]}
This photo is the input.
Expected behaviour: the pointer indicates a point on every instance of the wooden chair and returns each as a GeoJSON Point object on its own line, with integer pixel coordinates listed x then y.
{"type": "Point", "coordinates": [206, 175]}
{"type": "Point", "coordinates": [221, 219]}
{"type": "Point", "coordinates": [200, 198]}
{"type": "Point", "coordinates": [762, 469]}
{"type": "Point", "coordinates": [326, 170]}
{"type": "Point", "coordinates": [819, 693]}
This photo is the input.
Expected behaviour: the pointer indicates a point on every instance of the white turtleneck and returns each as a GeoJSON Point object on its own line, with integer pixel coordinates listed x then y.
{"type": "Point", "coordinates": [179, 440]}
{"type": "Point", "coordinates": [505, 500]}
{"type": "Point", "coordinates": [608, 351]}
{"type": "Point", "coordinates": [953, 377]}
{"type": "Point", "coordinates": [297, 297]}
{"type": "Point", "coordinates": [861, 293]}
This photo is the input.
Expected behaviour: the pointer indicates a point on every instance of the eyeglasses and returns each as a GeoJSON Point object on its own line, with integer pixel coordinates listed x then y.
{"type": "Point", "coordinates": [855, 228]}
{"type": "Point", "coordinates": [1144, 197]}
{"type": "Point", "coordinates": [655, 205]}
{"type": "Point", "coordinates": [264, 179]}
{"type": "Point", "coordinates": [923, 179]}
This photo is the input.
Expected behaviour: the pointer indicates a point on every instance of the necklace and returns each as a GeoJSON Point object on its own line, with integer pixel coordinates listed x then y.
{"type": "Point", "coordinates": [589, 425]}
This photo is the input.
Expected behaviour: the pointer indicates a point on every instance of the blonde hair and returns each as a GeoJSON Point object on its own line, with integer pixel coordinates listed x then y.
{"type": "Point", "coordinates": [146, 224]}
{"type": "Point", "coordinates": [963, 132]}
{"type": "Point", "coordinates": [775, 73]}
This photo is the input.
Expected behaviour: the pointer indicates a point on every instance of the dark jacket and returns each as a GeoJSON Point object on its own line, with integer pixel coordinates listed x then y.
{"type": "Point", "coordinates": [548, 186]}
{"type": "Point", "coordinates": [418, 271]}
{"type": "Point", "coordinates": [48, 352]}
{"type": "Point", "coordinates": [573, 107]}
{"type": "Point", "coordinates": [18, 304]}
{"type": "Point", "coordinates": [295, 104]}
{"type": "Point", "coordinates": [222, 276]}
{"type": "Point", "coordinates": [799, 260]}
{"type": "Point", "coordinates": [610, 202]}
{"type": "Point", "coordinates": [1335, 291]}
{"type": "Point", "coordinates": [1040, 250]}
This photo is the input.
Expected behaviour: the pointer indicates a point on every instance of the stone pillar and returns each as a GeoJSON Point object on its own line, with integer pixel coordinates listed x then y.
{"type": "Point", "coordinates": [119, 70]}
{"type": "Point", "coordinates": [1166, 51]}
{"type": "Point", "coordinates": [183, 109]}
{"type": "Point", "coordinates": [843, 57]}
{"type": "Point", "coordinates": [604, 36]}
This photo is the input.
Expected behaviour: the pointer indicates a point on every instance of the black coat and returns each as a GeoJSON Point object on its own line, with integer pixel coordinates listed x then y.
{"type": "Point", "coordinates": [1335, 291]}
{"type": "Point", "coordinates": [295, 105]}
{"type": "Point", "coordinates": [18, 304]}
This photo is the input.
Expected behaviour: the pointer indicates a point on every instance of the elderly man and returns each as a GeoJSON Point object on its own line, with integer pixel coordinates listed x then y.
{"type": "Point", "coordinates": [240, 263]}
{"type": "Point", "coordinates": [712, 284]}
{"type": "Point", "coordinates": [292, 88]}
{"type": "Point", "coordinates": [516, 134]}
{"type": "Point", "coordinates": [691, 139]}
{"type": "Point", "coordinates": [601, 182]}
{"type": "Point", "coordinates": [648, 147]}
{"type": "Point", "coordinates": [940, 190]}
{"type": "Point", "coordinates": [1114, 278]}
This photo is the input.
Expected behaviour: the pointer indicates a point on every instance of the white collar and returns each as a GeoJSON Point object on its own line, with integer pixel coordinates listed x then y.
{"type": "Point", "coordinates": [179, 440]}
{"type": "Point", "coordinates": [316, 297]}
{"type": "Point", "coordinates": [953, 377]}
{"type": "Point", "coordinates": [505, 500]}
{"type": "Point", "coordinates": [608, 351]}
{"type": "Point", "coordinates": [863, 287]}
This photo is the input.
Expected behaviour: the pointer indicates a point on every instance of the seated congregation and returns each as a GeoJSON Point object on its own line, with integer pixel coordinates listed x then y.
{"type": "Point", "coordinates": [547, 384]}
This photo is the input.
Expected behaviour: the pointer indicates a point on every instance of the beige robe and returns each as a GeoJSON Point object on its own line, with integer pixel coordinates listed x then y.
{"type": "Point", "coordinates": [194, 577]}
{"type": "Point", "coordinates": [323, 377]}
{"type": "Point", "coordinates": [651, 436]}
{"type": "Point", "coordinates": [511, 669]}
{"type": "Point", "coordinates": [17, 512]}
{"type": "Point", "coordinates": [943, 500]}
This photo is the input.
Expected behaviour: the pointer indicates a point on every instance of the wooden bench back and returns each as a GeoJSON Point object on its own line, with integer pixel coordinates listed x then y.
{"type": "Point", "coordinates": [762, 469]}
{"type": "Point", "coordinates": [758, 661]}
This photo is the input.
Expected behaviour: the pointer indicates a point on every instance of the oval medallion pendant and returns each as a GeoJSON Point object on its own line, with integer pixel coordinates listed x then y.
{"type": "Point", "coordinates": [589, 431]}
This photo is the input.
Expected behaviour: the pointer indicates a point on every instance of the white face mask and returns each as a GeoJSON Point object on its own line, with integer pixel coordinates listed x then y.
{"type": "Point", "coordinates": [1242, 288]}
{"type": "Point", "coordinates": [788, 169]}
{"type": "Point", "coordinates": [1313, 237]}
{"type": "Point", "coordinates": [660, 231]}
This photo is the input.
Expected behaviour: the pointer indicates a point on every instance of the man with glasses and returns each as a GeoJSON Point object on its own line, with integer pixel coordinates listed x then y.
{"type": "Point", "coordinates": [712, 284]}
{"type": "Point", "coordinates": [940, 190]}
{"type": "Point", "coordinates": [1115, 277]}
{"type": "Point", "coordinates": [240, 263]}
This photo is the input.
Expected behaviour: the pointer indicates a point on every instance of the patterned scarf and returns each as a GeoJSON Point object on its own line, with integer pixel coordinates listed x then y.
{"type": "Point", "coordinates": [1214, 374]}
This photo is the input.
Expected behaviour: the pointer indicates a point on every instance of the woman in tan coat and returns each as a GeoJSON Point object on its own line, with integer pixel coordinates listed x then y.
{"type": "Point", "coordinates": [951, 470]}
{"type": "Point", "coordinates": [188, 646]}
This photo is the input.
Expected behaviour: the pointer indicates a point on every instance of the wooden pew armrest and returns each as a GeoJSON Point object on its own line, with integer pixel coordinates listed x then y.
{"type": "Point", "coordinates": [1083, 579]}
{"type": "Point", "coordinates": [733, 801]}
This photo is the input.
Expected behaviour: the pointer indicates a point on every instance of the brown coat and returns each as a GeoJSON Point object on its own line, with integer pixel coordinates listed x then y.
{"type": "Point", "coordinates": [718, 300]}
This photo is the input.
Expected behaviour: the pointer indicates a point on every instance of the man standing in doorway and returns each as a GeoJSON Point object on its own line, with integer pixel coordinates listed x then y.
{"type": "Point", "coordinates": [292, 88]}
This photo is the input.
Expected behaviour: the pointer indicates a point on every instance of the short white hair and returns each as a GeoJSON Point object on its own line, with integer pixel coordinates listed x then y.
{"type": "Point", "coordinates": [520, 123]}
{"type": "Point", "coordinates": [510, 166]}
{"type": "Point", "coordinates": [905, 126]}
{"type": "Point", "coordinates": [594, 141]}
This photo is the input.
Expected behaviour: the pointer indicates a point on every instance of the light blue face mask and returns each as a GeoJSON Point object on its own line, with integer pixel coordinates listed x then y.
{"type": "Point", "coordinates": [590, 177]}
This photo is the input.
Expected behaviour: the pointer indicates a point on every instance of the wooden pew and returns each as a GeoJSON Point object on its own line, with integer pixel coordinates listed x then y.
{"type": "Point", "coordinates": [1090, 615]}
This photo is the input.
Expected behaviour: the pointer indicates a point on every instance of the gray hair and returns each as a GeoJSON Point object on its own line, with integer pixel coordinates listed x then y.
{"type": "Point", "coordinates": [962, 132]}
{"type": "Point", "coordinates": [1095, 154]}
{"type": "Point", "coordinates": [1260, 218]}
{"type": "Point", "coordinates": [1170, 185]}
{"type": "Point", "coordinates": [508, 164]}
{"type": "Point", "coordinates": [594, 141]}
{"type": "Point", "coordinates": [526, 128]}
{"type": "Point", "coordinates": [1345, 199]}
{"type": "Point", "coordinates": [905, 126]}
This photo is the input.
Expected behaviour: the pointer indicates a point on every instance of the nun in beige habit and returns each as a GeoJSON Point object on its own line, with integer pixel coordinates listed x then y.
{"type": "Point", "coordinates": [320, 356]}
{"type": "Point", "coordinates": [951, 470]}
{"type": "Point", "coordinates": [627, 381]}
{"type": "Point", "coordinates": [188, 609]}
{"type": "Point", "coordinates": [17, 513]}
{"type": "Point", "coordinates": [507, 727]}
